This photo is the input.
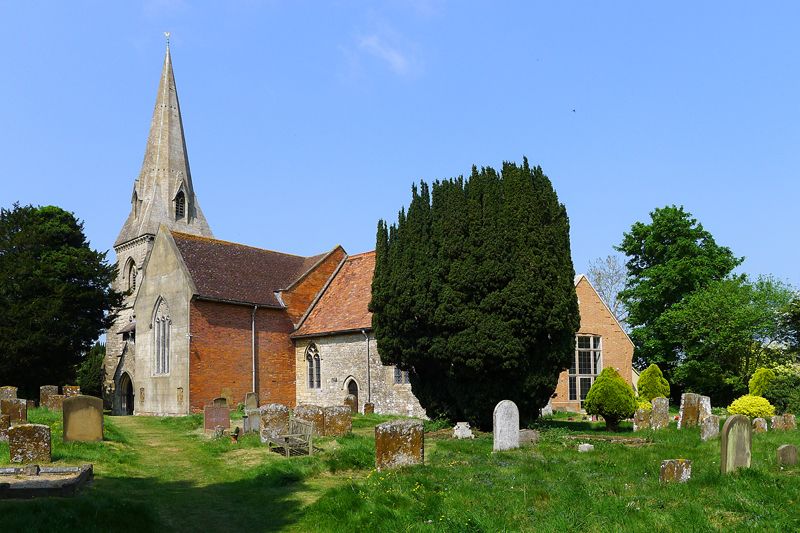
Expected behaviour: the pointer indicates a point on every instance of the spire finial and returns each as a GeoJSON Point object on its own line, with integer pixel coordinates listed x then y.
{"type": "Point", "coordinates": [166, 34]}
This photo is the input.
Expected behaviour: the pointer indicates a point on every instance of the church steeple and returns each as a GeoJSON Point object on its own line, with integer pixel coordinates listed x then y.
{"type": "Point", "coordinates": [163, 192]}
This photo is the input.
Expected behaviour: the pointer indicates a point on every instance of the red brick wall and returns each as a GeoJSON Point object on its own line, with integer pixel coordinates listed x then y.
{"type": "Point", "coordinates": [299, 297]}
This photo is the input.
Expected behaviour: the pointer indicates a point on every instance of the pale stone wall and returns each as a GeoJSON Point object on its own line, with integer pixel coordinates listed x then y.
{"type": "Point", "coordinates": [343, 357]}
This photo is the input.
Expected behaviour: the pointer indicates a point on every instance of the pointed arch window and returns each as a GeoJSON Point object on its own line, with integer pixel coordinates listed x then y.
{"type": "Point", "coordinates": [162, 329]}
{"type": "Point", "coordinates": [312, 363]}
{"type": "Point", "coordinates": [180, 205]}
{"type": "Point", "coordinates": [131, 273]}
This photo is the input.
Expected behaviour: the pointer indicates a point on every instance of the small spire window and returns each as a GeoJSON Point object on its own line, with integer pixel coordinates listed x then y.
{"type": "Point", "coordinates": [180, 205]}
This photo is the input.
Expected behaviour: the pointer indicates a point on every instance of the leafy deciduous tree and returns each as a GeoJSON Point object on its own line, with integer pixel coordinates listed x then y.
{"type": "Point", "coordinates": [608, 276]}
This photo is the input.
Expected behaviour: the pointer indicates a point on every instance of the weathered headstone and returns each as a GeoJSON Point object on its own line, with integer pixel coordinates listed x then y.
{"type": "Point", "coordinates": [338, 420]}
{"type": "Point", "coordinates": [214, 416]}
{"type": "Point", "coordinates": [8, 393]}
{"type": "Point", "coordinates": [45, 391]}
{"type": "Point", "coordinates": [735, 448]}
{"type": "Point", "coordinates": [709, 427]}
{"type": "Point", "coordinates": [250, 401]}
{"type": "Point", "coordinates": [689, 414]}
{"type": "Point", "coordinates": [787, 455]}
{"type": "Point", "coordinates": [585, 447]}
{"type": "Point", "coordinates": [71, 390]}
{"type": "Point", "coordinates": [369, 408]}
{"type": "Point", "coordinates": [29, 443]}
{"type": "Point", "coordinates": [313, 414]}
{"type": "Point", "coordinates": [15, 408]}
{"type": "Point", "coordinates": [227, 393]}
{"type": "Point", "coordinates": [759, 425]}
{"type": "Point", "coordinates": [506, 426]}
{"type": "Point", "coordinates": [5, 423]}
{"type": "Point", "coordinates": [462, 431]}
{"type": "Point", "coordinates": [399, 443]}
{"type": "Point", "coordinates": [789, 422]}
{"type": "Point", "coordinates": [351, 401]}
{"type": "Point", "coordinates": [83, 419]}
{"type": "Point", "coordinates": [547, 410]}
{"type": "Point", "coordinates": [219, 432]}
{"type": "Point", "coordinates": [641, 419]}
{"type": "Point", "coordinates": [251, 421]}
{"type": "Point", "coordinates": [219, 402]}
{"type": "Point", "coordinates": [672, 470]}
{"type": "Point", "coordinates": [30, 404]}
{"type": "Point", "coordinates": [54, 402]}
{"type": "Point", "coordinates": [528, 436]}
{"type": "Point", "coordinates": [659, 417]}
{"type": "Point", "coordinates": [704, 410]}
{"type": "Point", "coordinates": [274, 420]}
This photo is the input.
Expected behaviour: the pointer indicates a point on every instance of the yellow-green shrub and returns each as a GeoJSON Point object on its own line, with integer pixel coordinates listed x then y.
{"type": "Point", "coordinates": [751, 406]}
{"type": "Point", "coordinates": [652, 383]}
{"type": "Point", "coordinates": [641, 403]}
{"type": "Point", "coordinates": [760, 382]}
{"type": "Point", "coordinates": [610, 397]}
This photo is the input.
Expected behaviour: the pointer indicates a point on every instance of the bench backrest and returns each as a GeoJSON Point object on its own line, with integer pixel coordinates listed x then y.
{"type": "Point", "coordinates": [298, 426]}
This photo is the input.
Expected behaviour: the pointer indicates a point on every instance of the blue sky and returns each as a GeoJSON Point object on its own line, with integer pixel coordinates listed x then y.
{"type": "Point", "coordinates": [307, 121]}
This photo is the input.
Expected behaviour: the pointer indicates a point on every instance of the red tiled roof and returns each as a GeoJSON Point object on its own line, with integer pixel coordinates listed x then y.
{"type": "Point", "coordinates": [234, 272]}
{"type": "Point", "coordinates": [343, 305]}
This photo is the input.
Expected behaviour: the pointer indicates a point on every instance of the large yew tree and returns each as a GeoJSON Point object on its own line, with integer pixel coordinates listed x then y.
{"type": "Point", "coordinates": [474, 293]}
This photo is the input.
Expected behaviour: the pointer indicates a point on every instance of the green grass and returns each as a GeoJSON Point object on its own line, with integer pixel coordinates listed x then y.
{"type": "Point", "coordinates": [157, 474]}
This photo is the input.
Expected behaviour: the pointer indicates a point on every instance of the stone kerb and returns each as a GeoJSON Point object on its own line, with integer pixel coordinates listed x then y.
{"type": "Point", "coordinates": [29, 443]}
{"type": "Point", "coordinates": [216, 416]}
{"type": "Point", "coordinates": [338, 420]}
{"type": "Point", "coordinates": [274, 421]}
{"type": "Point", "coordinates": [45, 391]}
{"type": "Point", "coordinates": [352, 402]}
{"type": "Point", "coordinates": [8, 392]}
{"type": "Point", "coordinates": [83, 419]}
{"type": "Point", "coordinates": [659, 417]}
{"type": "Point", "coordinates": [787, 455]}
{"type": "Point", "coordinates": [641, 419]}
{"type": "Point", "coordinates": [313, 414]}
{"type": "Point", "coordinates": [675, 470]}
{"type": "Point", "coordinates": [399, 443]}
{"type": "Point", "coordinates": [16, 409]}
{"type": "Point", "coordinates": [71, 390]}
{"type": "Point", "coordinates": [55, 402]}
{"type": "Point", "coordinates": [505, 428]}
{"type": "Point", "coordinates": [737, 440]}
{"type": "Point", "coordinates": [709, 428]}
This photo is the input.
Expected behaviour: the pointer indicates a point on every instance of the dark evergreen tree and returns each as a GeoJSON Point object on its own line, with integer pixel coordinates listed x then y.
{"type": "Point", "coordinates": [473, 293]}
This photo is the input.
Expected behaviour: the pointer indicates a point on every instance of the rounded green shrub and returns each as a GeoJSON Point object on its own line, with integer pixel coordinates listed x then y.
{"type": "Point", "coordinates": [652, 383]}
{"type": "Point", "coordinates": [759, 383]}
{"type": "Point", "coordinates": [751, 406]}
{"type": "Point", "coordinates": [784, 392]}
{"type": "Point", "coordinates": [610, 397]}
{"type": "Point", "coordinates": [641, 403]}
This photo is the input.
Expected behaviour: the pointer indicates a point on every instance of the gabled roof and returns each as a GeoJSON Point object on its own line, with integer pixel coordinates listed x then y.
{"type": "Point", "coordinates": [236, 273]}
{"type": "Point", "coordinates": [343, 304]}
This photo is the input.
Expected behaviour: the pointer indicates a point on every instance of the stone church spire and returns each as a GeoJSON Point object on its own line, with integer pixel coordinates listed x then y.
{"type": "Point", "coordinates": [163, 192]}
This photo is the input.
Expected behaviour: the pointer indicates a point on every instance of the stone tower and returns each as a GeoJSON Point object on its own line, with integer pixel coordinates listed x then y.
{"type": "Point", "coordinates": [162, 194]}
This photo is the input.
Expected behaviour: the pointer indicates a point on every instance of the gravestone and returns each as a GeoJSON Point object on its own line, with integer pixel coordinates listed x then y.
{"type": "Point", "coordinates": [219, 432]}
{"type": "Point", "coordinates": [15, 408]}
{"type": "Point", "coordinates": [338, 420]}
{"type": "Point", "coordinates": [352, 402]}
{"type": "Point", "coordinates": [250, 401]}
{"type": "Point", "coordinates": [709, 428]}
{"type": "Point", "coordinates": [737, 439]}
{"type": "Point", "coordinates": [528, 436]}
{"type": "Point", "coordinates": [83, 419]}
{"type": "Point", "coordinates": [689, 414]}
{"type": "Point", "coordinates": [547, 410]}
{"type": "Point", "coordinates": [29, 443]}
{"type": "Point", "coordinates": [462, 431]}
{"type": "Point", "coordinates": [214, 415]}
{"type": "Point", "coordinates": [219, 401]}
{"type": "Point", "coordinates": [5, 423]}
{"type": "Point", "coordinates": [274, 421]}
{"type": "Point", "coordinates": [789, 422]}
{"type": "Point", "coordinates": [55, 401]}
{"type": "Point", "coordinates": [705, 409]}
{"type": "Point", "coordinates": [228, 395]}
{"type": "Point", "coordinates": [641, 419]}
{"type": "Point", "coordinates": [71, 390]}
{"type": "Point", "coordinates": [659, 417]}
{"type": "Point", "coordinates": [45, 391]}
{"type": "Point", "coordinates": [30, 404]}
{"type": "Point", "coordinates": [251, 421]}
{"type": "Point", "coordinates": [399, 443]}
{"type": "Point", "coordinates": [369, 408]}
{"type": "Point", "coordinates": [585, 447]}
{"type": "Point", "coordinates": [505, 428]}
{"type": "Point", "coordinates": [8, 393]}
{"type": "Point", "coordinates": [759, 425]}
{"type": "Point", "coordinates": [313, 414]}
{"type": "Point", "coordinates": [787, 455]}
{"type": "Point", "coordinates": [673, 470]}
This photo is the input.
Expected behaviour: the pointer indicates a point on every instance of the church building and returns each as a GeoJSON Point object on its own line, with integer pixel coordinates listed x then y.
{"type": "Point", "coordinates": [205, 318]}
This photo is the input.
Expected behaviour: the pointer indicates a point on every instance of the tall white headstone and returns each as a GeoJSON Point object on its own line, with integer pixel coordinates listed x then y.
{"type": "Point", "coordinates": [506, 426]}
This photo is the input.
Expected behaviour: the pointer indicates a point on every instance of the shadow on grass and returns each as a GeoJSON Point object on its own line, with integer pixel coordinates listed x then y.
{"type": "Point", "coordinates": [624, 427]}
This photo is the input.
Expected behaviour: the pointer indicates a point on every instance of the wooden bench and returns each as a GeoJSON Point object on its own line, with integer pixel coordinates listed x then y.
{"type": "Point", "coordinates": [298, 441]}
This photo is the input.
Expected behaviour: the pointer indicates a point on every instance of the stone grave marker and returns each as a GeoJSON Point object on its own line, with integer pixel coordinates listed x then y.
{"type": "Point", "coordinates": [506, 426]}
{"type": "Point", "coordinates": [338, 420]}
{"type": "Point", "coordinates": [45, 391]}
{"type": "Point", "coordinates": [709, 428]}
{"type": "Point", "coordinates": [672, 470]}
{"type": "Point", "coordinates": [462, 431]}
{"type": "Point", "coordinates": [737, 440]}
{"type": "Point", "coordinates": [214, 416]}
{"type": "Point", "coordinates": [83, 419]}
{"type": "Point", "coordinates": [55, 402]}
{"type": "Point", "coordinates": [641, 419]}
{"type": "Point", "coordinates": [313, 414]}
{"type": "Point", "coordinates": [399, 443]}
{"type": "Point", "coordinates": [787, 455]}
{"type": "Point", "coordinates": [547, 410]}
{"type": "Point", "coordinates": [5, 423]}
{"type": "Point", "coordinates": [274, 420]}
{"type": "Point", "coordinates": [689, 415]}
{"type": "Point", "coordinates": [759, 425]}
{"type": "Point", "coordinates": [15, 408]}
{"type": "Point", "coordinates": [659, 417]}
{"type": "Point", "coordinates": [705, 409]}
{"type": "Point", "coordinates": [30, 404]}
{"type": "Point", "coordinates": [352, 402]}
{"type": "Point", "coordinates": [8, 393]}
{"type": "Point", "coordinates": [219, 401]}
{"type": "Point", "coordinates": [250, 401]}
{"type": "Point", "coordinates": [251, 421]}
{"type": "Point", "coordinates": [369, 408]}
{"type": "Point", "coordinates": [786, 422]}
{"type": "Point", "coordinates": [29, 443]}
{"type": "Point", "coordinates": [71, 390]}
{"type": "Point", "coordinates": [585, 447]}
{"type": "Point", "coordinates": [528, 436]}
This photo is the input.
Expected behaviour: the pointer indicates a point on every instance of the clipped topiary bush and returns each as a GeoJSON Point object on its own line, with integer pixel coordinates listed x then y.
{"type": "Point", "coordinates": [610, 397]}
{"type": "Point", "coordinates": [652, 383]}
{"type": "Point", "coordinates": [759, 383]}
{"type": "Point", "coordinates": [751, 406]}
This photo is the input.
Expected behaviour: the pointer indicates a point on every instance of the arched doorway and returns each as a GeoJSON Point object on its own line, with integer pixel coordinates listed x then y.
{"type": "Point", "coordinates": [352, 388]}
{"type": "Point", "coordinates": [125, 395]}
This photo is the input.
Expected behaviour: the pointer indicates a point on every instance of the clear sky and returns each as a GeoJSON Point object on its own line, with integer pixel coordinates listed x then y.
{"type": "Point", "coordinates": [307, 121]}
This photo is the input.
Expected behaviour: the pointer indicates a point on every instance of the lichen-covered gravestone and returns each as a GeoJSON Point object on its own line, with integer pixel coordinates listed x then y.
{"type": "Point", "coordinates": [214, 416]}
{"type": "Point", "coordinates": [399, 443]}
{"type": "Point", "coordinates": [672, 470]}
{"type": "Point", "coordinates": [659, 417]}
{"type": "Point", "coordinates": [29, 443]}
{"type": "Point", "coordinates": [689, 415]}
{"type": "Point", "coordinates": [83, 419]}
{"type": "Point", "coordinates": [274, 420]}
{"type": "Point", "coordinates": [369, 408]}
{"type": "Point", "coordinates": [505, 428]}
{"type": "Point", "coordinates": [45, 391]}
{"type": "Point", "coordinates": [352, 402]}
{"type": "Point", "coordinates": [787, 455]}
{"type": "Point", "coordinates": [737, 440]}
{"type": "Point", "coordinates": [251, 421]}
{"type": "Point", "coordinates": [462, 431]}
{"type": "Point", "coordinates": [313, 414]}
{"type": "Point", "coordinates": [528, 436]}
{"type": "Point", "coordinates": [709, 428]}
{"type": "Point", "coordinates": [55, 402]}
{"type": "Point", "coordinates": [71, 390]}
{"type": "Point", "coordinates": [784, 422]}
{"type": "Point", "coordinates": [338, 420]}
{"type": "Point", "coordinates": [704, 410]}
{"type": "Point", "coordinates": [641, 419]}
{"type": "Point", "coordinates": [5, 423]}
{"type": "Point", "coordinates": [15, 408]}
{"type": "Point", "coordinates": [8, 393]}
{"type": "Point", "coordinates": [759, 425]}
{"type": "Point", "coordinates": [790, 421]}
